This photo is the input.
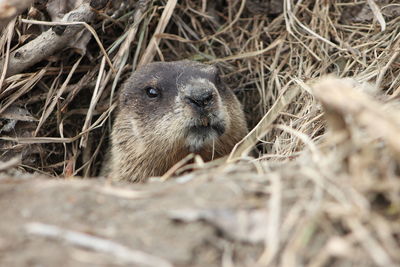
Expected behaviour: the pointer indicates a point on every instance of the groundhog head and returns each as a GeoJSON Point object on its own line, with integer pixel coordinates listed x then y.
{"type": "Point", "coordinates": [181, 102]}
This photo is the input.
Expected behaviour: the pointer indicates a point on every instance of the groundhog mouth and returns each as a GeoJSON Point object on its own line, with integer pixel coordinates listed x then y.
{"type": "Point", "coordinates": [199, 135]}
{"type": "Point", "coordinates": [202, 130]}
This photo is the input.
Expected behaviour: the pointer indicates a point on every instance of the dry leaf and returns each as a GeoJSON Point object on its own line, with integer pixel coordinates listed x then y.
{"type": "Point", "coordinates": [17, 113]}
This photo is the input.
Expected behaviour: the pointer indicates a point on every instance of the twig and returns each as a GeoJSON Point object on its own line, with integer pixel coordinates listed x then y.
{"type": "Point", "coordinates": [87, 26]}
{"type": "Point", "coordinates": [119, 251]}
{"type": "Point", "coordinates": [162, 24]}
{"type": "Point", "coordinates": [10, 32]}
{"type": "Point", "coordinates": [48, 42]}
{"type": "Point", "coordinates": [242, 148]}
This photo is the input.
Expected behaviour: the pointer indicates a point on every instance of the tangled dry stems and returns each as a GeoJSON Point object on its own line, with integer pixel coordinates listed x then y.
{"type": "Point", "coordinates": [333, 177]}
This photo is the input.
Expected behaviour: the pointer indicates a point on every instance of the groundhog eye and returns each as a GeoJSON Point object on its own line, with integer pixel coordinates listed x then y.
{"type": "Point", "coordinates": [152, 92]}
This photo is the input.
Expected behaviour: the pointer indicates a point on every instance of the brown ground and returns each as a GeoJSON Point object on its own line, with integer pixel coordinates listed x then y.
{"type": "Point", "coordinates": [143, 223]}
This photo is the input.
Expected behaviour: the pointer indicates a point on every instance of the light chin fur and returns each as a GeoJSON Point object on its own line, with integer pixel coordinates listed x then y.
{"type": "Point", "coordinates": [199, 136]}
{"type": "Point", "coordinates": [195, 142]}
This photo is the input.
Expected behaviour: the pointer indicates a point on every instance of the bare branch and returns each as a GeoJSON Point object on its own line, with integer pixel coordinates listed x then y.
{"type": "Point", "coordinates": [48, 42]}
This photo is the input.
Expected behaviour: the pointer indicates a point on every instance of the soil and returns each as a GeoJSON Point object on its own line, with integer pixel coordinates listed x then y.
{"type": "Point", "coordinates": [134, 219]}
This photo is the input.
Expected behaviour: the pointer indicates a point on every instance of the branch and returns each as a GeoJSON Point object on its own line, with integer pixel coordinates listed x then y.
{"type": "Point", "coordinates": [49, 42]}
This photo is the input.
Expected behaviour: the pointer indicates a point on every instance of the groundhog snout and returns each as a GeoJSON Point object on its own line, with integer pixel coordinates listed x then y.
{"type": "Point", "coordinates": [200, 101]}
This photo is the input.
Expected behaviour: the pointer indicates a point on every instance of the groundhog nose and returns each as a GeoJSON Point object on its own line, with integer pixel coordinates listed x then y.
{"type": "Point", "coordinates": [200, 100]}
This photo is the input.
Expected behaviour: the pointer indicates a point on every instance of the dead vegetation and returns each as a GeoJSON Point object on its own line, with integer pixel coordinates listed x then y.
{"type": "Point", "coordinates": [329, 151]}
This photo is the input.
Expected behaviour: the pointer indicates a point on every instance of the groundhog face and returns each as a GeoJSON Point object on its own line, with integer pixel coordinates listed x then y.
{"type": "Point", "coordinates": [180, 102]}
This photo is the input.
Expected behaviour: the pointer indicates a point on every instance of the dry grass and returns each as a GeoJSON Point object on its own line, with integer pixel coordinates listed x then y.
{"type": "Point", "coordinates": [335, 191]}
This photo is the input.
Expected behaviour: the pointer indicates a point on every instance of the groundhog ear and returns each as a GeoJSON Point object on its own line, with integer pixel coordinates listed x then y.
{"type": "Point", "coordinates": [217, 67]}
{"type": "Point", "coordinates": [216, 71]}
{"type": "Point", "coordinates": [220, 78]}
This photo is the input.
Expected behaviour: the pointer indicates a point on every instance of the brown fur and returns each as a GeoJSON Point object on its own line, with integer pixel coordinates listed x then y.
{"type": "Point", "coordinates": [150, 135]}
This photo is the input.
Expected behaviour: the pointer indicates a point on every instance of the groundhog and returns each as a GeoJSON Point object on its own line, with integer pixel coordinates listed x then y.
{"type": "Point", "coordinates": [167, 110]}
